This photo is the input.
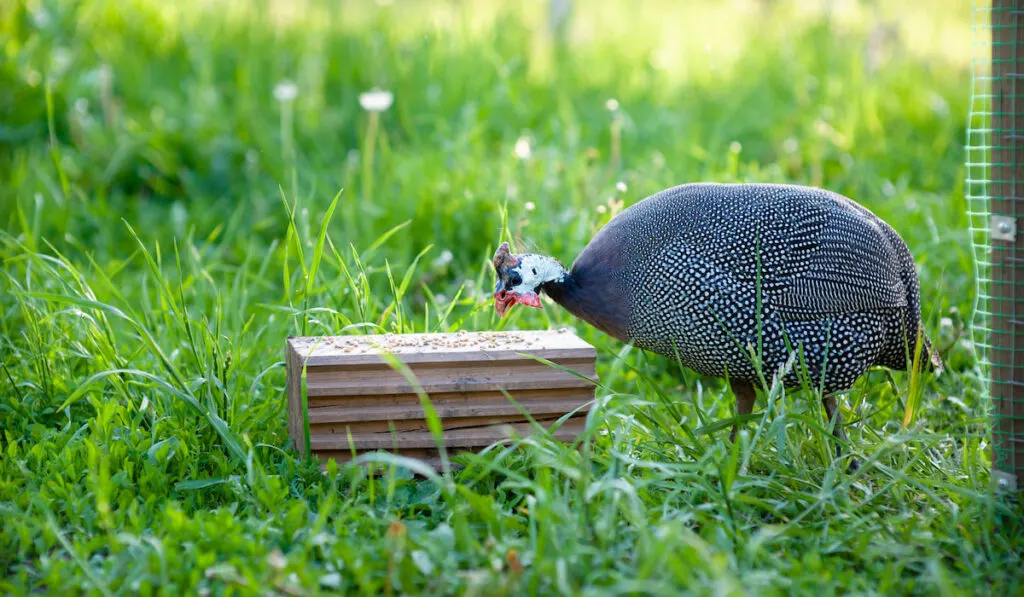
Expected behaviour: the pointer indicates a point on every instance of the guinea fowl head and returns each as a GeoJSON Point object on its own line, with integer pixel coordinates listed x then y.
{"type": "Point", "coordinates": [520, 278]}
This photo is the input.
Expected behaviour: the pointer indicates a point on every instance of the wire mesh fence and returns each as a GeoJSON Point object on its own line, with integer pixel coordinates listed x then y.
{"type": "Point", "coordinates": [995, 194]}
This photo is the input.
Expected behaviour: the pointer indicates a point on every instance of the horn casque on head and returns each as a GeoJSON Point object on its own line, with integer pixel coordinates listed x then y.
{"type": "Point", "coordinates": [504, 259]}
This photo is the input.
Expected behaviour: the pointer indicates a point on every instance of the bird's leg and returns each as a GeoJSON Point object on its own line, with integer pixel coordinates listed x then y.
{"type": "Point", "coordinates": [832, 410]}
{"type": "Point", "coordinates": [745, 397]}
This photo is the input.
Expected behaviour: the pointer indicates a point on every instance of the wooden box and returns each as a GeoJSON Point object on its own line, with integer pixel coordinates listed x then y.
{"type": "Point", "coordinates": [351, 391]}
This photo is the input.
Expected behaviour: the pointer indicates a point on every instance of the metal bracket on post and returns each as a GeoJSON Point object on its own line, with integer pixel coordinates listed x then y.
{"type": "Point", "coordinates": [1003, 228]}
{"type": "Point", "coordinates": [1004, 482]}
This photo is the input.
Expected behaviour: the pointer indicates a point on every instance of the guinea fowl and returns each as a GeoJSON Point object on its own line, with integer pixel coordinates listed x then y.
{"type": "Point", "coordinates": [695, 271]}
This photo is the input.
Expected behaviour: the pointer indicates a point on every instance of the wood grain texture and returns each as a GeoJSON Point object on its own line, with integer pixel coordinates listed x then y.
{"type": "Point", "coordinates": [329, 430]}
{"type": "Point", "coordinates": [509, 375]}
{"type": "Point", "coordinates": [352, 392]}
{"type": "Point", "coordinates": [454, 402]}
{"type": "Point", "coordinates": [296, 429]}
{"type": "Point", "coordinates": [473, 437]}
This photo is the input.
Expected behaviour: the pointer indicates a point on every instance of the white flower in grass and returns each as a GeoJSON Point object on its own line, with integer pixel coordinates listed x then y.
{"type": "Point", "coordinates": [620, 187]}
{"type": "Point", "coordinates": [612, 105]}
{"type": "Point", "coordinates": [60, 60]}
{"type": "Point", "coordinates": [41, 18]}
{"type": "Point", "coordinates": [523, 150]}
{"type": "Point", "coordinates": [286, 91]}
{"type": "Point", "coordinates": [376, 100]}
{"type": "Point", "coordinates": [530, 206]}
{"type": "Point", "coordinates": [444, 258]}
{"type": "Point", "coordinates": [331, 581]}
{"type": "Point", "coordinates": [276, 560]}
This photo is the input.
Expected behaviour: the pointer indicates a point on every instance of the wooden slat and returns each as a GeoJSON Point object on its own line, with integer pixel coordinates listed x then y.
{"type": "Point", "coordinates": [490, 377]}
{"type": "Point", "coordinates": [296, 423]}
{"type": "Point", "coordinates": [325, 416]}
{"type": "Point", "coordinates": [483, 356]}
{"type": "Point", "coordinates": [449, 400]}
{"type": "Point", "coordinates": [383, 426]}
{"type": "Point", "coordinates": [436, 368]}
{"type": "Point", "coordinates": [458, 438]}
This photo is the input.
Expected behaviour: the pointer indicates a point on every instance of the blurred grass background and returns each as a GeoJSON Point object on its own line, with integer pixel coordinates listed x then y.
{"type": "Point", "coordinates": [162, 203]}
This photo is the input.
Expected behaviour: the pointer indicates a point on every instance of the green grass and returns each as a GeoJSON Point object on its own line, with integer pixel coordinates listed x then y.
{"type": "Point", "coordinates": [166, 226]}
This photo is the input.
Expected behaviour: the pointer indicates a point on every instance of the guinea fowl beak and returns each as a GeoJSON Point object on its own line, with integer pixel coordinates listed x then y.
{"type": "Point", "coordinates": [505, 300]}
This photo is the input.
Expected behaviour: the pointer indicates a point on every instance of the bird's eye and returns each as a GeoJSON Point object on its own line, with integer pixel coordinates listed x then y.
{"type": "Point", "coordinates": [535, 271]}
{"type": "Point", "coordinates": [515, 280]}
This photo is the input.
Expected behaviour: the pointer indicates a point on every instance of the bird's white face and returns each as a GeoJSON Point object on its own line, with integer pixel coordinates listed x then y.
{"type": "Point", "coordinates": [520, 277]}
{"type": "Point", "coordinates": [535, 270]}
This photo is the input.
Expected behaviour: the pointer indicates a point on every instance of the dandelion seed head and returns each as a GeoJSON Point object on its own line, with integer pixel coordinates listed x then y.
{"type": "Point", "coordinates": [376, 100]}
{"type": "Point", "coordinates": [530, 206]}
{"type": "Point", "coordinates": [276, 560]}
{"type": "Point", "coordinates": [60, 60]}
{"type": "Point", "coordinates": [286, 91]}
{"type": "Point", "coordinates": [601, 209]}
{"type": "Point", "coordinates": [522, 149]}
{"type": "Point", "coordinates": [938, 104]}
{"type": "Point", "coordinates": [735, 147]}
{"type": "Point", "coordinates": [444, 258]}
{"type": "Point", "coordinates": [612, 105]}
{"type": "Point", "coordinates": [620, 187]}
{"type": "Point", "coordinates": [41, 18]}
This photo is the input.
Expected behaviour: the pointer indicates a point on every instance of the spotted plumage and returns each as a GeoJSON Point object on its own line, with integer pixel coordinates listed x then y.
{"type": "Point", "coordinates": [710, 271]}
